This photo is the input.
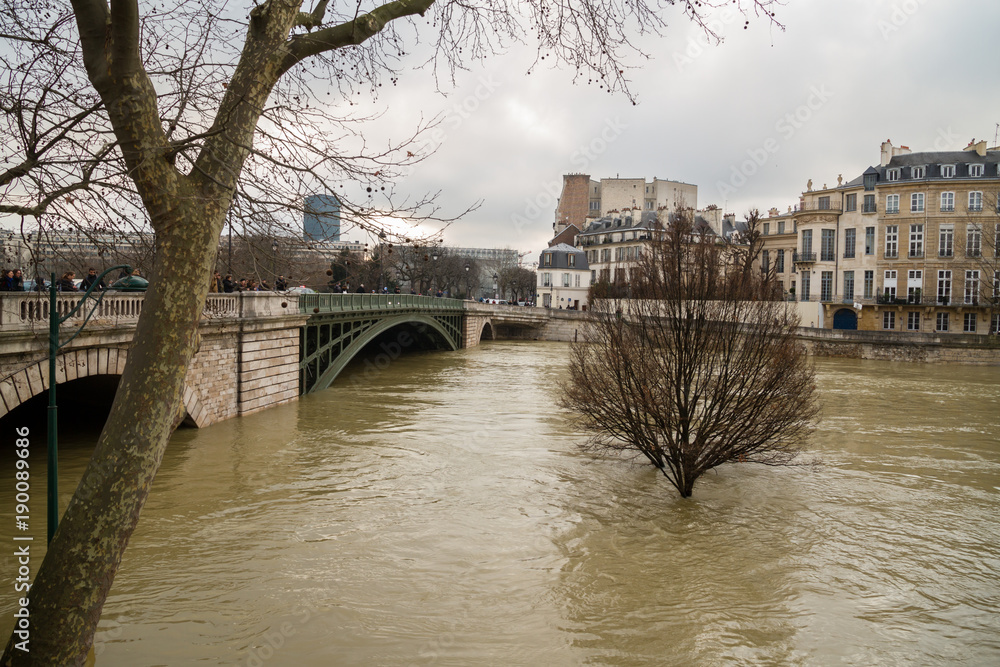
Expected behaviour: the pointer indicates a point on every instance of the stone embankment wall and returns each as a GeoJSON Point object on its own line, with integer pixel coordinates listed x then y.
{"type": "Point", "coordinates": [898, 346]}
{"type": "Point", "coordinates": [886, 346]}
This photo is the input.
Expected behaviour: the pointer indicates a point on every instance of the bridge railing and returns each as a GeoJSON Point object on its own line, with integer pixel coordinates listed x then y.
{"type": "Point", "coordinates": [344, 303]}
{"type": "Point", "coordinates": [21, 311]}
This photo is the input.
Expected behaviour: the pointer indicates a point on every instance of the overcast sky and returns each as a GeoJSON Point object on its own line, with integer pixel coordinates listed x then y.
{"type": "Point", "coordinates": [749, 121]}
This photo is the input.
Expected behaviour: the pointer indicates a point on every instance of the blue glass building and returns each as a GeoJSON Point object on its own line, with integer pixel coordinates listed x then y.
{"type": "Point", "coordinates": [321, 221]}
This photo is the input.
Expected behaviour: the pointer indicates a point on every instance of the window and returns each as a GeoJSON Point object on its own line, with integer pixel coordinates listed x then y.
{"type": "Point", "coordinates": [975, 201]}
{"type": "Point", "coordinates": [851, 202]}
{"type": "Point", "coordinates": [547, 259]}
{"type": "Point", "coordinates": [827, 242]}
{"type": "Point", "coordinates": [996, 240]}
{"type": "Point", "coordinates": [995, 324]}
{"type": "Point", "coordinates": [571, 260]}
{"type": "Point", "coordinates": [826, 286]}
{"type": "Point", "coordinates": [891, 241]}
{"type": "Point", "coordinates": [767, 228]}
{"type": "Point", "coordinates": [947, 171]}
{"type": "Point", "coordinates": [972, 288]}
{"type": "Point", "coordinates": [914, 283]}
{"type": "Point", "coordinates": [916, 240]}
{"type": "Point", "coordinates": [576, 280]}
{"type": "Point", "coordinates": [970, 323]}
{"type": "Point", "coordinates": [869, 284]}
{"type": "Point", "coordinates": [942, 322]}
{"type": "Point", "coordinates": [947, 201]}
{"type": "Point", "coordinates": [850, 239]}
{"type": "Point", "coordinates": [917, 202]}
{"type": "Point", "coordinates": [807, 241]}
{"type": "Point", "coordinates": [944, 287]}
{"type": "Point", "coordinates": [892, 204]}
{"type": "Point", "coordinates": [824, 203]}
{"type": "Point", "coordinates": [975, 170]}
{"type": "Point", "coordinates": [913, 321]}
{"type": "Point", "coordinates": [765, 261]}
{"type": "Point", "coordinates": [888, 320]}
{"type": "Point", "coordinates": [849, 285]}
{"type": "Point", "coordinates": [946, 240]}
{"type": "Point", "coordinates": [892, 174]}
{"type": "Point", "coordinates": [869, 206]}
{"type": "Point", "coordinates": [869, 181]}
{"type": "Point", "coordinates": [546, 280]}
{"type": "Point", "coordinates": [593, 276]}
{"type": "Point", "coordinates": [996, 284]}
{"type": "Point", "coordinates": [565, 277]}
{"type": "Point", "coordinates": [805, 286]}
{"type": "Point", "coordinates": [781, 226]}
{"type": "Point", "coordinates": [917, 172]}
{"type": "Point", "coordinates": [869, 240]}
{"type": "Point", "coordinates": [973, 240]}
{"type": "Point", "coordinates": [889, 286]}
{"type": "Point", "coordinates": [779, 262]}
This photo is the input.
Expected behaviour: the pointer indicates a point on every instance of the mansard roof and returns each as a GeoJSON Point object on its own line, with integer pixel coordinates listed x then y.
{"type": "Point", "coordinates": [560, 253]}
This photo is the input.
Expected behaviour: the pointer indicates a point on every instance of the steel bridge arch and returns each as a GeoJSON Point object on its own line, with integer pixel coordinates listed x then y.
{"type": "Point", "coordinates": [329, 344]}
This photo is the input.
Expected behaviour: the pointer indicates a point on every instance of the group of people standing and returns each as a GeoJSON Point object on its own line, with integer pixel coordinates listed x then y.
{"type": "Point", "coordinates": [12, 280]}
{"type": "Point", "coordinates": [228, 285]}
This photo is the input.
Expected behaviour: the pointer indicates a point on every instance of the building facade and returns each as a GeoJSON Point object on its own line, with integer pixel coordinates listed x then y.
{"type": "Point", "coordinates": [321, 218]}
{"type": "Point", "coordinates": [563, 278]}
{"type": "Point", "coordinates": [583, 199]}
{"type": "Point", "coordinates": [910, 245]}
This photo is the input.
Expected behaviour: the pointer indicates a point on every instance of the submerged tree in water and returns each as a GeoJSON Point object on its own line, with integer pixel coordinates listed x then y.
{"type": "Point", "coordinates": [701, 367]}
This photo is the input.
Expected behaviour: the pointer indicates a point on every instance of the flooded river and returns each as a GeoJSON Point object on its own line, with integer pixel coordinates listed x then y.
{"type": "Point", "coordinates": [439, 512]}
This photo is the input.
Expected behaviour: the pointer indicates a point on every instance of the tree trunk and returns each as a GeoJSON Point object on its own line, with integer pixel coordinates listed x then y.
{"type": "Point", "coordinates": [92, 535]}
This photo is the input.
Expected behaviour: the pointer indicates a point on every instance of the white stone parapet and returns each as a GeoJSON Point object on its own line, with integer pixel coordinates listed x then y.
{"type": "Point", "coordinates": [25, 311]}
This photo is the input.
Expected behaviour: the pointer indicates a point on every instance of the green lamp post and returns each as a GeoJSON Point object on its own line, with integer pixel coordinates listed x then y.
{"type": "Point", "coordinates": [53, 414]}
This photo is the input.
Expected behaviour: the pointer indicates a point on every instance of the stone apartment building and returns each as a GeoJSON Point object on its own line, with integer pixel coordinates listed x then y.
{"type": "Point", "coordinates": [909, 245]}
{"type": "Point", "coordinates": [563, 278]}
{"type": "Point", "coordinates": [583, 199]}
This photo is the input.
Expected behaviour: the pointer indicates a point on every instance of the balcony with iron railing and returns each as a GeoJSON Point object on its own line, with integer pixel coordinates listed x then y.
{"type": "Point", "coordinates": [802, 257]}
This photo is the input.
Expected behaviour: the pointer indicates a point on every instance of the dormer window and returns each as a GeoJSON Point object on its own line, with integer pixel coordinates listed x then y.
{"type": "Point", "coordinates": [869, 180]}
{"type": "Point", "coordinates": [547, 259]}
{"type": "Point", "coordinates": [975, 170]}
{"type": "Point", "coordinates": [947, 171]}
{"type": "Point", "coordinates": [917, 172]}
{"type": "Point", "coordinates": [892, 174]}
{"type": "Point", "coordinates": [571, 260]}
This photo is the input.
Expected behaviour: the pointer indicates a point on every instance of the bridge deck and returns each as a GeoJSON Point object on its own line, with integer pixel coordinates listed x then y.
{"type": "Point", "coordinates": [346, 303]}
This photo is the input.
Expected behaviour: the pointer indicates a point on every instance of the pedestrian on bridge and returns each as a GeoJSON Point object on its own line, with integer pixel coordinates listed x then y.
{"type": "Point", "coordinates": [66, 283]}
{"type": "Point", "coordinates": [91, 279]}
{"type": "Point", "coordinates": [18, 280]}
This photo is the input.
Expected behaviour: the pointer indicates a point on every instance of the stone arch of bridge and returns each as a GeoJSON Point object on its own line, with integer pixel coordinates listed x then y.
{"type": "Point", "coordinates": [487, 332]}
{"type": "Point", "coordinates": [335, 355]}
{"type": "Point", "coordinates": [32, 380]}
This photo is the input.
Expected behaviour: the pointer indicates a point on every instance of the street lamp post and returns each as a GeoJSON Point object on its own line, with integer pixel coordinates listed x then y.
{"type": "Point", "coordinates": [53, 412]}
{"type": "Point", "coordinates": [496, 279]}
{"type": "Point", "coordinates": [467, 288]}
{"type": "Point", "coordinates": [274, 263]}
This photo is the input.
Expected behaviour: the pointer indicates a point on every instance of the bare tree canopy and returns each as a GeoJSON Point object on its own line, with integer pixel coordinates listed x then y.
{"type": "Point", "coordinates": [168, 118]}
{"type": "Point", "coordinates": [700, 368]}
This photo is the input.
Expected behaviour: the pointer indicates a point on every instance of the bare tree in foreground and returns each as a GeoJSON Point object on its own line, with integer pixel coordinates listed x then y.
{"type": "Point", "coordinates": [171, 115]}
{"type": "Point", "coordinates": [700, 369]}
